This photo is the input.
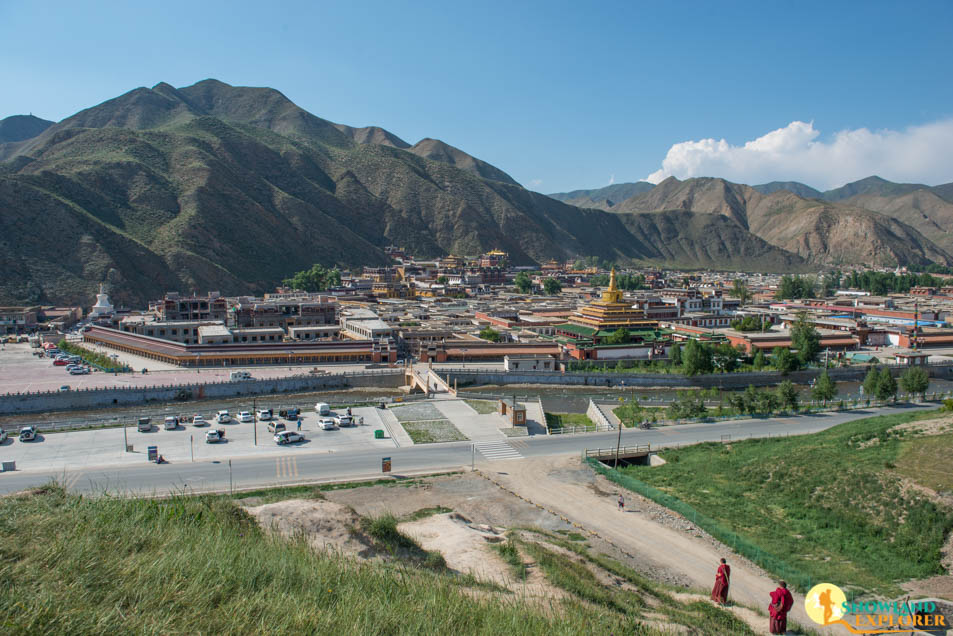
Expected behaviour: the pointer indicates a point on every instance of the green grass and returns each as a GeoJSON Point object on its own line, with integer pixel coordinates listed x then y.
{"type": "Point", "coordinates": [511, 555]}
{"type": "Point", "coordinates": [423, 513]}
{"type": "Point", "coordinates": [429, 432]}
{"type": "Point", "coordinates": [483, 407]}
{"type": "Point", "coordinates": [188, 565]}
{"type": "Point", "coordinates": [316, 491]}
{"type": "Point", "coordinates": [827, 504]}
{"type": "Point", "coordinates": [560, 420]}
{"type": "Point", "coordinates": [927, 462]}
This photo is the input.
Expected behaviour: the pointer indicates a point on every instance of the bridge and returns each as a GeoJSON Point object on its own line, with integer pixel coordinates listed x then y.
{"type": "Point", "coordinates": [427, 380]}
{"type": "Point", "coordinates": [638, 454]}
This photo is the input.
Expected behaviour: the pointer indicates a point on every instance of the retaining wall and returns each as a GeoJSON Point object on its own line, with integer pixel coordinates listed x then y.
{"type": "Point", "coordinates": [598, 417]}
{"type": "Point", "coordinates": [130, 396]}
{"type": "Point", "coordinates": [471, 377]}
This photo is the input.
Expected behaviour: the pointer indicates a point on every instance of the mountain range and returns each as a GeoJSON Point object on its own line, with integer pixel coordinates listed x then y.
{"type": "Point", "coordinates": [218, 187]}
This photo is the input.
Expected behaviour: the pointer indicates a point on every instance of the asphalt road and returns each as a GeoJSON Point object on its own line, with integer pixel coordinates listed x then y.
{"type": "Point", "coordinates": [301, 465]}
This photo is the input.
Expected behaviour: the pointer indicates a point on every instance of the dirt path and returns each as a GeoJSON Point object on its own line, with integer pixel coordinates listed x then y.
{"type": "Point", "coordinates": [564, 486]}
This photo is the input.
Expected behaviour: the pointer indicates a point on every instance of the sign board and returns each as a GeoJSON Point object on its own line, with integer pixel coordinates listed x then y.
{"type": "Point", "coordinates": [153, 453]}
{"type": "Point", "coordinates": [385, 464]}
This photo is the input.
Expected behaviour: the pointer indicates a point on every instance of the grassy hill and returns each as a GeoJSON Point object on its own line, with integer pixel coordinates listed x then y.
{"type": "Point", "coordinates": [850, 505]}
{"type": "Point", "coordinates": [190, 565]}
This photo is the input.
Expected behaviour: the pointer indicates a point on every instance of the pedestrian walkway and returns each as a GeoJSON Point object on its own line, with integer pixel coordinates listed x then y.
{"type": "Point", "coordinates": [476, 427]}
{"type": "Point", "coordinates": [394, 429]}
{"type": "Point", "coordinates": [496, 451]}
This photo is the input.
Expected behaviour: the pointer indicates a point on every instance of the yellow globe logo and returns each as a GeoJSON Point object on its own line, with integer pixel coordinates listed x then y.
{"type": "Point", "coordinates": [824, 603]}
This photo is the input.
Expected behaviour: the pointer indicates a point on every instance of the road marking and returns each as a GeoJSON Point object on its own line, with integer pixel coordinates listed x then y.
{"type": "Point", "coordinates": [518, 443]}
{"type": "Point", "coordinates": [286, 467]}
{"type": "Point", "coordinates": [498, 450]}
{"type": "Point", "coordinates": [70, 479]}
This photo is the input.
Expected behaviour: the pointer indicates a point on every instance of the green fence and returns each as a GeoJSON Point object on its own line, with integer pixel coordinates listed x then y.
{"type": "Point", "coordinates": [799, 580]}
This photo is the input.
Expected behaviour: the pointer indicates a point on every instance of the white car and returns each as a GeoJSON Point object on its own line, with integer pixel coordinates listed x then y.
{"type": "Point", "coordinates": [344, 420]}
{"type": "Point", "coordinates": [199, 420]}
{"type": "Point", "coordinates": [288, 437]}
{"type": "Point", "coordinates": [79, 371]}
{"type": "Point", "coordinates": [222, 417]}
{"type": "Point", "coordinates": [264, 414]}
{"type": "Point", "coordinates": [214, 436]}
{"type": "Point", "coordinates": [245, 416]}
{"type": "Point", "coordinates": [327, 424]}
{"type": "Point", "coordinates": [171, 423]}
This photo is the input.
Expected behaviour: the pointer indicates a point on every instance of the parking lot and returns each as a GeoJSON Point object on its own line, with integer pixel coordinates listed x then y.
{"type": "Point", "coordinates": [72, 451]}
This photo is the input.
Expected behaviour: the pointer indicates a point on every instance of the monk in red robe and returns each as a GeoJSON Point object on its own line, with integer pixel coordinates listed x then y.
{"type": "Point", "coordinates": [781, 604]}
{"type": "Point", "coordinates": [719, 593]}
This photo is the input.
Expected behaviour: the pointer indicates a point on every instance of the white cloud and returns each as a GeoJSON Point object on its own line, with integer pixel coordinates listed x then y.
{"type": "Point", "coordinates": [611, 179]}
{"type": "Point", "coordinates": [919, 154]}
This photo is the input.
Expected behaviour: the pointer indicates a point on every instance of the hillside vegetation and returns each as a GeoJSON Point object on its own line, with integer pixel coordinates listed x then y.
{"type": "Point", "coordinates": [188, 565]}
{"type": "Point", "coordinates": [834, 505]}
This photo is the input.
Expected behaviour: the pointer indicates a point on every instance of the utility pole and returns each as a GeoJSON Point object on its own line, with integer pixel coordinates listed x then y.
{"type": "Point", "coordinates": [231, 490]}
{"type": "Point", "coordinates": [617, 445]}
{"type": "Point", "coordinates": [192, 446]}
{"type": "Point", "coordinates": [125, 437]}
{"type": "Point", "coordinates": [254, 418]}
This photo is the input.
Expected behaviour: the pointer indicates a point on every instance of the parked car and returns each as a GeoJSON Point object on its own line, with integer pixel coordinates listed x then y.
{"type": "Point", "coordinates": [288, 437]}
{"type": "Point", "coordinates": [327, 424]}
{"type": "Point", "coordinates": [144, 425]}
{"type": "Point", "coordinates": [322, 408]}
{"type": "Point", "coordinates": [29, 433]}
{"type": "Point", "coordinates": [171, 423]}
{"type": "Point", "coordinates": [65, 387]}
{"type": "Point", "coordinates": [276, 427]}
{"type": "Point", "coordinates": [344, 420]}
{"type": "Point", "coordinates": [290, 413]}
{"type": "Point", "coordinates": [215, 436]}
{"type": "Point", "coordinates": [239, 375]}
{"type": "Point", "coordinates": [245, 416]}
{"type": "Point", "coordinates": [264, 414]}
{"type": "Point", "coordinates": [222, 417]}
{"type": "Point", "coordinates": [59, 362]}
{"type": "Point", "coordinates": [199, 420]}
{"type": "Point", "coordinates": [79, 371]}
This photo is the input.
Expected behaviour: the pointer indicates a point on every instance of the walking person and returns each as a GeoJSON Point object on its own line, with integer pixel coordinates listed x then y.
{"type": "Point", "coordinates": [299, 424]}
{"type": "Point", "coordinates": [621, 503]}
{"type": "Point", "coordinates": [781, 603]}
{"type": "Point", "coordinates": [719, 593]}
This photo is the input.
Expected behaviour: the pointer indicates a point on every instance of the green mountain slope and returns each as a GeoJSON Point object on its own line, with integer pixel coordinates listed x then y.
{"type": "Point", "coordinates": [603, 198]}
{"type": "Point", "coordinates": [800, 189]}
{"type": "Point", "coordinates": [21, 127]}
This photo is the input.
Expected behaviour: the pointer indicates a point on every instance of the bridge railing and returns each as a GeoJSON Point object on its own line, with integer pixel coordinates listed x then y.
{"type": "Point", "coordinates": [621, 450]}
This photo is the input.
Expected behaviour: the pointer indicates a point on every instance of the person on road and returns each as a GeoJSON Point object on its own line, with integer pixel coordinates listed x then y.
{"type": "Point", "coordinates": [621, 503]}
{"type": "Point", "coordinates": [781, 603]}
{"type": "Point", "coordinates": [299, 423]}
{"type": "Point", "coordinates": [719, 593]}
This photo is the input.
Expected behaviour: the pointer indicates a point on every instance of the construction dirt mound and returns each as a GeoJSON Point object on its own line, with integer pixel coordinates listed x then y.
{"type": "Point", "coordinates": [324, 524]}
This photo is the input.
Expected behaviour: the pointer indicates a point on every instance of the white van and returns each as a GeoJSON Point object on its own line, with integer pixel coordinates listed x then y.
{"type": "Point", "coordinates": [323, 408]}
{"type": "Point", "coordinates": [239, 375]}
{"type": "Point", "coordinates": [222, 417]}
{"type": "Point", "coordinates": [171, 423]}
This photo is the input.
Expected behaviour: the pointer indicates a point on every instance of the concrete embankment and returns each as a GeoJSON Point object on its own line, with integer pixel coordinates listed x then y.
{"type": "Point", "coordinates": [18, 403]}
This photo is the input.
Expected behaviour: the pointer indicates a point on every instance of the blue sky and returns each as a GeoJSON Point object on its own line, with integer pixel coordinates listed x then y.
{"type": "Point", "coordinates": [558, 94]}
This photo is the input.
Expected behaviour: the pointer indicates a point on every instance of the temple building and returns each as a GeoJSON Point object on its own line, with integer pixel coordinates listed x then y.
{"type": "Point", "coordinates": [611, 312]}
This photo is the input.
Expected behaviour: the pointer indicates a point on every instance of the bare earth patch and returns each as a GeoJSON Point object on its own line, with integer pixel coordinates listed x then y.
{"type": "Point", "coordinates": [325, 524]}
{"type": "Point", "coordinates": [927, 427]}
{"type": "Point", "coordinates": [465, 548]}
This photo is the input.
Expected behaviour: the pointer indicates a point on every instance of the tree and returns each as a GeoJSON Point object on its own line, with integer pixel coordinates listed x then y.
{"type": "Point", "coordinates": [887, 386]}
{"type": "Point", "coordinates": [784, 361]}
{"type": "Point", "coordinates": [523, 283]}
{"type": "Point", "coordinates": [552, 286]}
{"type": "Point", "coordinates": [747, 323]}
{"type": "Point", "coordinates": [805, 339]}
{"type": "Point", "coordinates": [725, 357]}
{"type": "Point", "coordinates": [696, 358]}
{"type": "Point", "coordinates": [796, 287]}
{"type": "Point", "coordinates": [767, 402]}
{"type": "Point", "coordinates": [314, 280]}
{"type": "Point", "coordinates": [442, 280]}
{"type": "Point", "coordinates": [915, 380]}
{"type": "Point", "coordinates": [740, 291]}
{"type": "Point", "coordinates": [872, 381]}
{"type": "Point", "coordinates": [675, 357]}
{"type": "Point", "coordinates": [788, 395]}
{"type": "Point", "coordinates": [619, 336]}
{"type": "Point", "coordinates": [824, 388]}
{"type": "Point", "coordinates": [759, 362]}
{"type": "Point", "coordinates": [491, 334]}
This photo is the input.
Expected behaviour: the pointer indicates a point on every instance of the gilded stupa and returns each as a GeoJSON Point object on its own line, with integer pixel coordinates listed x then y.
{"type": "Point", "coordinates": [611, 312]}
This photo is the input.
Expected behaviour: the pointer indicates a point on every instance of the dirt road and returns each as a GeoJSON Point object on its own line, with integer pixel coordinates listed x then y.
{"type": "Point", "coordinates": [569, 489]}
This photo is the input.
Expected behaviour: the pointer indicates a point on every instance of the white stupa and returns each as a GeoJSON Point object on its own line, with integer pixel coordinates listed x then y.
{"type": "Point", "coordinates": [102, 307]}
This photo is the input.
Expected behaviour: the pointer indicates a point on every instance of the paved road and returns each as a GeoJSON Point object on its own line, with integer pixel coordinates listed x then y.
{"type": "Point", "coordinates": [300, 464]}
